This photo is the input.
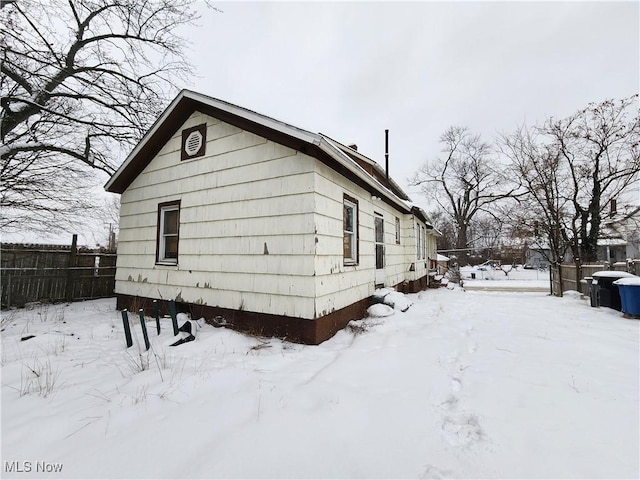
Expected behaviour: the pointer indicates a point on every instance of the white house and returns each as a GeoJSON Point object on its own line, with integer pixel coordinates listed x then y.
{"type": "Point", "coordinates": [620, 238]}
{"type": "Point", "coordinates": [278, 230]}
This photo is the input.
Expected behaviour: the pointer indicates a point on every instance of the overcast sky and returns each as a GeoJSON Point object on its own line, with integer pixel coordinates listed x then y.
{"type": "Point", "coordinates": [350, 70]}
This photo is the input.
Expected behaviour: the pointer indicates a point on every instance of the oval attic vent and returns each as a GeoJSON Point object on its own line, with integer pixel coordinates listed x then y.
{"type": "Point", "coordinates": [193, 143]}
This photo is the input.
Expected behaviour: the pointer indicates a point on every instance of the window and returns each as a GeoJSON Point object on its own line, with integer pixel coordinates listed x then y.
{"type": "Point", "coordinates": [379, 240]}
{"type": "Point", "coordinates": [418, 238]}
{"type": "Point", "coordinates": [424, 243]}
{"type": "Point", "coordinates": [168, 232]}
{"type": "Point", "coordinates": [350, 230]}
{"type": "Point", "coordinates": [397, 230]}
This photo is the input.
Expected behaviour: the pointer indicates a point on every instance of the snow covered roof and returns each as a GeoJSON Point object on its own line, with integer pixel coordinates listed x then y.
{"type": "Point", "coordinates": [442, 258]}
{"type": "Point", "coordinates": [539, 245]}
{"type": "Point", "coordinates": [611, 242]}
{"type": "Point", "coordinates": [345, 160]}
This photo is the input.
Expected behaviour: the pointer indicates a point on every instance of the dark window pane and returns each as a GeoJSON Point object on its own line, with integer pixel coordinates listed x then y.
{"type": "Point", "coordinates": [171, 247]}
{"type": "Point", "coordinates": [171, 222]}
{"type": "Point", "coordinates": [379, 256]}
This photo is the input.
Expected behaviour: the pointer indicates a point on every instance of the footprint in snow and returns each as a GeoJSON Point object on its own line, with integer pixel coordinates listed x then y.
{"type": "Point", "coordinates": [456, 384]}
{"type": "Point", "coordinates": [432, 472]}
{"type": "Point", "coordinates": [462, 430]}
{"type": "Point", "coordinates": [450, 403]}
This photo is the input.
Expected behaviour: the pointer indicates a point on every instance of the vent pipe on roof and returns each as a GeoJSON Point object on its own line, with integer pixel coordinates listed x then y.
{"type": "Point", "coordinates": [386, 153]}
{"type": "Point", "coordinates": [353, 146]}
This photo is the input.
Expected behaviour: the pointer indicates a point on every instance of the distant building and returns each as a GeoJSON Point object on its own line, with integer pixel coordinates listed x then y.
{"type": "Point", "coordinates": [538, 255]}
{"type": "Point", "coordinates": [442, 264]}
{"type": "Point", "coordinates": [620, 238]}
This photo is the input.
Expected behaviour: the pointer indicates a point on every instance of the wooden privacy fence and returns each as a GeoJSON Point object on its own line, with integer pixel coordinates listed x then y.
{"type": "Point", "coordinates": [571, 278]}
{"type": "Point", "coordinates": [54, 273]}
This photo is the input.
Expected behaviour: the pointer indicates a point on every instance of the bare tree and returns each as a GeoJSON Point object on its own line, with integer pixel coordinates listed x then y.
{"type": "Point", "coordinates": [442, 222]}
{"type": "Point", "coordinates": [600, 149]}
{"type": "Point", "coordinates": [81, 82]}
{"type": "Point", "coordinates": [572, 169]}
{"type": "Point", "coordinates": [543, 210]}
{"type": "Point", "coordinates": [466, 182]}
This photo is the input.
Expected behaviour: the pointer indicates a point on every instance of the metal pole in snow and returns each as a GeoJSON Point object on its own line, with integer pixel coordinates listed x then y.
{"type": "Point", "coordinates": [174, 317]}
{"type": "Point", "coordinates": [144, 329]}
{"type": "Point", "coordinates": [155, 312]}
{"type": "Point", "coordinates": [127, 329]}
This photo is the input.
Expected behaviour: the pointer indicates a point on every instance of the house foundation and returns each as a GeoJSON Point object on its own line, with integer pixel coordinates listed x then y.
{"type": "Point", "coordinates": [298, 330]}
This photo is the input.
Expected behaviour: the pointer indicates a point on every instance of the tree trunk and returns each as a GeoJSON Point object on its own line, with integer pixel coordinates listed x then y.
{"type": "Point", "coordinates": [461, 245]}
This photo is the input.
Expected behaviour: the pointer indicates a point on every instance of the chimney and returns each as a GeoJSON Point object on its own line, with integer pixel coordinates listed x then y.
{"type": "Point", "coordinates": [353, 146]}
{"type": "Point", "coordinates": [614, 207]}
{"type": "Point", "coordinates": [386, 153]}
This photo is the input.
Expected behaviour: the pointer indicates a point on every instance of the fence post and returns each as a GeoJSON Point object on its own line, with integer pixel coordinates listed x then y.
{"type": "Point", "coordinates": [174, 317]}
{"type": "Point", "coordinates": [127, 329]}
{"type": "Point", "coordinates": [144, 329]}
{"type": "Point", "coordinates": [71, 263]}
{"type": "Point", "coordinates": [157, 315]}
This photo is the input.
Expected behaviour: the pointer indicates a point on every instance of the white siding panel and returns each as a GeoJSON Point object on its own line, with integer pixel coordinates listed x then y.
{"type": "Point", "coordinates": [242, 282]}
{"type": "Point", "coordinates": [286, 224]}
{"type": "Point", "coordinates": [137, 247]}
{"type": "Point", "coordinates": [140, 233]}
{"type": "Point", "coordinates": [337, 300]}
{"type": "Point", "coordinates": [245, 193]}
{"type": "Point", "coordinates": [253, 264]}
{"type": "Point", "coordinates": [337, 285]}
{"type": "Point", "coordinates": [248, 245]}
{"type": "Point", "coordinates": [202, 173]}
{"type": "Point", "coordinates": [301, 307]}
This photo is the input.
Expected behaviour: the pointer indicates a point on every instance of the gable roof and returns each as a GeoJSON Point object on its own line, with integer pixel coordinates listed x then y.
{"type": "Point", "coordinates": [345, 160]}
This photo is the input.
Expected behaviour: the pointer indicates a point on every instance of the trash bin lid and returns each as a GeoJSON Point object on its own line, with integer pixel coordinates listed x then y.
{"type": "Point", "coordinates": [628, 281]}
{"type": "Point", "coordinates": [612, 274]}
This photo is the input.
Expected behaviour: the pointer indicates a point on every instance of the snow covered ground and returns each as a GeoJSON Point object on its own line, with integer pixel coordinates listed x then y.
{"type": "Point", "coordinates": [505, 278]}
{"type": "Point", "coordinates": [462, 385]}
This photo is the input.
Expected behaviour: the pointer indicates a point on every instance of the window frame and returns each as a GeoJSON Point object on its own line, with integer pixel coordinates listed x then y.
{"type": "Point", "coordinates": [354, 259]}
{"type": "Point", "coordinates": [161, 258]}
{"type": "Point", "coordinates": [397, 230]}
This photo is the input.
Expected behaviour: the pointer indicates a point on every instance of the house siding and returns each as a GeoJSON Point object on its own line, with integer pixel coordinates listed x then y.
{"type": "Point", "coordinates": [339, 285]}
{"type": "Point", "coordinates": [260, 233]}
{"type": "Point", "coordinates": [240, 248]}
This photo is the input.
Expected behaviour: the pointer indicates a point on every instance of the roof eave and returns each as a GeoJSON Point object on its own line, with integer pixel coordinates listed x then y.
{"type": "Point", "coordinates": [327, 146]}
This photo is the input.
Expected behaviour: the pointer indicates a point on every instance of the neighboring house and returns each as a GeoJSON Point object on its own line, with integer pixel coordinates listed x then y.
{"type": "Point", "coordinates": [442, 264]}
{"type": "Point", "coordinates": [275, 229]}
{"type": "Point", "coordinates": [620, 238]}
{"type": "Point", "coordinates": [538, 255]}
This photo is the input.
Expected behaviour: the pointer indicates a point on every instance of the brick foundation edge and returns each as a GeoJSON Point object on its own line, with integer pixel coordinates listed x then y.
{"type": "Point", "coordinates": [293, 329]}
{"type": "Point", "coordinates": [299, 330]}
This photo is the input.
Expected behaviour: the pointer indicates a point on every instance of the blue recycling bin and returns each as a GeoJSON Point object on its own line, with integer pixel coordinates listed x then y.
{"type": "Point", "coordinates": [629, 289]}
